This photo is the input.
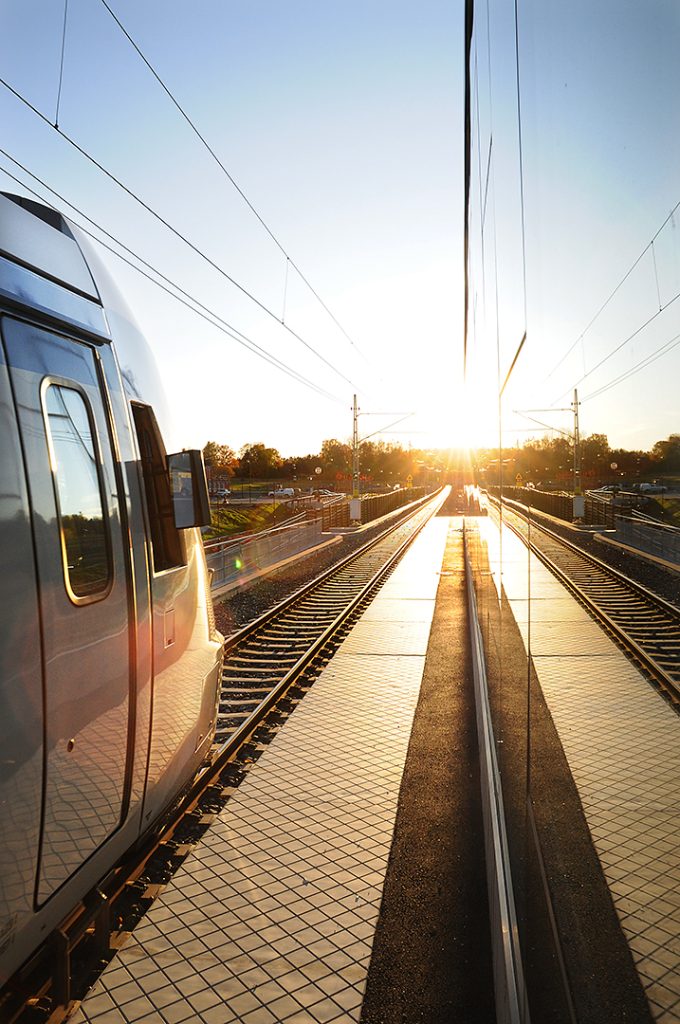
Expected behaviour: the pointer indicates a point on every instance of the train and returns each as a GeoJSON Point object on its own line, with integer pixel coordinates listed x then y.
{"type": "Point", "coordinates": [110, 658]}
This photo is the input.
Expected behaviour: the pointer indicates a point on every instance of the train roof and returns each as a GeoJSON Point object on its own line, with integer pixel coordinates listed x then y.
{"type": "Point", "coordinates": [39, 238]}
{"type": "Point", "coordinates": [49, 266]}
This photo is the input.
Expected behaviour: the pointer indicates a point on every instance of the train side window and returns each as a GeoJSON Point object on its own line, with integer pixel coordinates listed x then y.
{"type": "Point", "coordinates": [166, 540]}
{"type": "Point", "coordinates": [77, 474]}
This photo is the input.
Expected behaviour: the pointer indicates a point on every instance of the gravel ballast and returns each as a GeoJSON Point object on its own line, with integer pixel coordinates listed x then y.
{"type": "Point", "coordinates": [242, 605]}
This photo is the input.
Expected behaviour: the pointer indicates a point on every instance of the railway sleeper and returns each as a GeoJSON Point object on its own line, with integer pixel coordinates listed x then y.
{"type": "Point", "coordinates": [266, 647]}
{"type": "Point", "coordinates": [308, 624]}
{"type": "Point", "coordinates": [242, 691]}
{"type": "Point", "coordinates": [261, 664]}
{"type": "Point", "coordinates": [247, 706]}
{"type": "Point", "coordinates": [234, 682]}
{"type": "Point", "coordinates": [255, 676]}
{"type": "Point", "coordinates": [256, 683]}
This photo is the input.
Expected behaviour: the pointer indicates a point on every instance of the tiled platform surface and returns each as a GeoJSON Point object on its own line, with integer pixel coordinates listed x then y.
{"type": "Point", "coordinates": [271, 919]}
{"type": "Point", "coordinates": [622, 742]}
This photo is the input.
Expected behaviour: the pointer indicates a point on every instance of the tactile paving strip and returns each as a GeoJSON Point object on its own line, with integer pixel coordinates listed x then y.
{"type": "Point", "coordinates": [271, 919]}
{"type": "Point", "coordinates": [622, 742]}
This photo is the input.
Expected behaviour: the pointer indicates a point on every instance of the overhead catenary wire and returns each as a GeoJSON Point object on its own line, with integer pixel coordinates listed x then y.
{"type": "Point", "coordinates": [621, 344]}
{"type": "Point", "coordinates": [541, 423]}
{"type": "Point", "coordinates": [184, 297]}
{"type": "Point", "coordinates": [667, 346]}
{"type": "Point", "coordinates": [61, 63]}
{"type": "Point", "coordinates": [178, 234]}
{"type": "Point", "coordinates": [199, 135]}
{"type": "Point", "coordinates": [615, 290]}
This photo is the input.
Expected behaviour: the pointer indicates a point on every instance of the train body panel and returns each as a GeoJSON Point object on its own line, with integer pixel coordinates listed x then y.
{"type": "Point", "coordinates": [21, 698]}
{"type": "Point", "coordinates": [110, 660]}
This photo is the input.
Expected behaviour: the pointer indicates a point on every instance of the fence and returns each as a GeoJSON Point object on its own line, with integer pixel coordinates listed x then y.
{"type": "Point", "coordinates": [380, 504]}
{"type": "Point", "coordinates": [653, 538]}
{"type": "Point", "coordinates": [555, 503]}
{"type": "Point", "coordinates": [598, 511]}
{"type": "Point", "coordinates": [335, 513]}
{"type": "Point", "coordinates": [235, 560]}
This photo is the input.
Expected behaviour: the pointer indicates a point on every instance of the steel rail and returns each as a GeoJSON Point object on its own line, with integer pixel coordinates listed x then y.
{"type": "Point", "coordinates": [236, 638]}
{"type": "Point", "coordinates": [617, 625]}
{"type": "Point", "coordinates": [609, 570]}
{"type": "Point", "coordinates": [508, 971]}
{"type": "Point", "coordinates": [256, 656]}
{"type": "Point", "coordinates": [245, 731]}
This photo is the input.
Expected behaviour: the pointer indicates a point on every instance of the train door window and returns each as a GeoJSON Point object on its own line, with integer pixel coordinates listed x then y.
{"type": "Point", "coordinates": [166, 540]}
{"type": "Point", "coordinates": [81, 508]}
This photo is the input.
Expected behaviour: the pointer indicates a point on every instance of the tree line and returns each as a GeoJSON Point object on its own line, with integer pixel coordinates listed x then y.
{"type": "Point", "coordinates": [542, 460]}
{"type": "Point", "coordinates": [379, 461]}
{"type": "Point", "coordinates": [552, 460]}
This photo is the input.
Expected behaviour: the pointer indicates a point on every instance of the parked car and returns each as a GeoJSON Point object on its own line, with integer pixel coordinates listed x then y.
{"type": "Point", "coordinates": [646, 488]}
{"type": "Point", "coordinates": [282, 492]}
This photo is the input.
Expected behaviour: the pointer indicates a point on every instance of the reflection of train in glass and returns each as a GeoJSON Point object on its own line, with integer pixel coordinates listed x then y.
{"type": "Point", "coordinates": [110, 660]}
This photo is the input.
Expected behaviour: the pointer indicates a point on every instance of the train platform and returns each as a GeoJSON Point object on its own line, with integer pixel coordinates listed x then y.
{"type": "Point", "coordinates": [305, 903]}
{"type": "Point", "coordinates": [620, 739]}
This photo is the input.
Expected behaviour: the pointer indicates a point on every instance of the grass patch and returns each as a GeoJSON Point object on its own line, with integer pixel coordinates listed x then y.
{"type": "Point", "coordinates": [228, 521]}
{"type": "Point", "coordinates": [670, 510]}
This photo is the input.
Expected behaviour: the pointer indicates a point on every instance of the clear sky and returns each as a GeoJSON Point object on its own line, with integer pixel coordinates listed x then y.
{"type": "Point", "coordinates": [342, 124]}
{"type": "Point", "coordinates": [601, 151]}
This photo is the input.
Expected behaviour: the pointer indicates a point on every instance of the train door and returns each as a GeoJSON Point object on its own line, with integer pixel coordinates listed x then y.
{"type": "Point", "coordinates": [185, 659]}
{"type": "Point", "coordinates": [82, 568]}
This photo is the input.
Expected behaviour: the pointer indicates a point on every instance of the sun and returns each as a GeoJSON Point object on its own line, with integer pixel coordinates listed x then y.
{"type": "Point", "coordinates": [465, 416]}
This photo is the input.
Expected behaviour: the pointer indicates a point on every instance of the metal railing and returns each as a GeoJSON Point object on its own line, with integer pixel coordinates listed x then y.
{"type": "Point", "coordinates": [656, 539]}
{"type": "Point", "coordinates": [377, 505]}
{"type": "Point", "coordinates": [236, 559]}
{"type": "Point", "coordinates": [599, 511]}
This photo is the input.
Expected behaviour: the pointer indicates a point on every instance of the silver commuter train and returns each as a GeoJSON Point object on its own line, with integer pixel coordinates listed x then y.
{"type": "Point", "coordinates": [110, 660]}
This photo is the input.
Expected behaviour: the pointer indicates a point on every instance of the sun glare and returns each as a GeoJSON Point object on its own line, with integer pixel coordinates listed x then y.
{"type": "Point", "coordinates": [466, 419]}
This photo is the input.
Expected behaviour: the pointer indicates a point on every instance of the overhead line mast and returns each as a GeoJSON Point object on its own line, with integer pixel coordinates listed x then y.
{"type": "Point", "coordinates": [355, 449]}
{"type": "Point", "coordinates": [578, 509]}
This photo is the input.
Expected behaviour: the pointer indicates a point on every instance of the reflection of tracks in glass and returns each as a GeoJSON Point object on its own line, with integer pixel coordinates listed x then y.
{"type": "Point", "coordinates": [644, 624]}
{"type": "Point", "coordinates": [296, 638]}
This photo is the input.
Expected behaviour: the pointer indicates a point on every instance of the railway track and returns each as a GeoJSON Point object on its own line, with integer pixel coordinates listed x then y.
{"type": "Point", "coordinates": [645, 625]}
{"type": "Point", "coordinates": [298, 635]}
{"type": "Point", "coordinates": [267, 668]}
